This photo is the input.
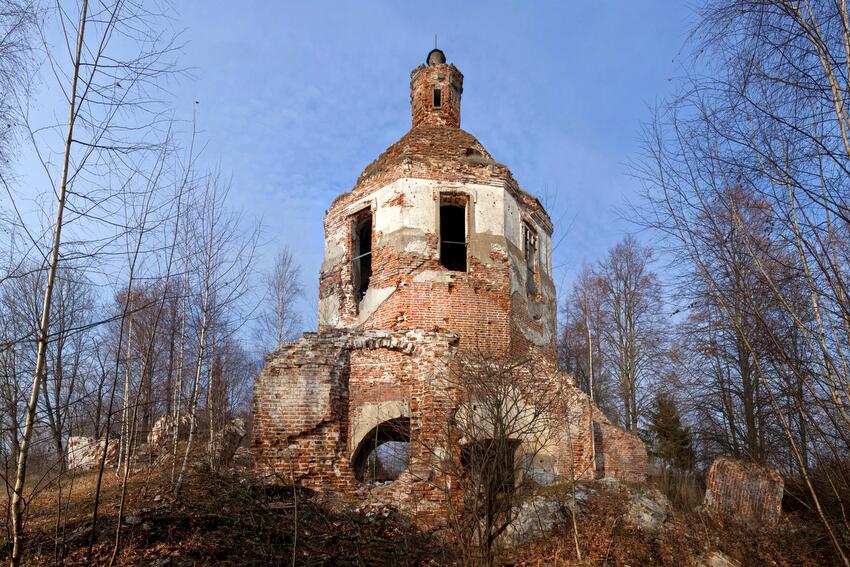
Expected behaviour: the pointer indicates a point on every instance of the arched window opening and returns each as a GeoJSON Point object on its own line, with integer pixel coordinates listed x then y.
{"type": "Point", "coordinates": [384, 453]}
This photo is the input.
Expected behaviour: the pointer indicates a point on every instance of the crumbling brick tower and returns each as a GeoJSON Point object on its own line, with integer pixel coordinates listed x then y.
{"type": "Point", "coordinates": [436, 250]}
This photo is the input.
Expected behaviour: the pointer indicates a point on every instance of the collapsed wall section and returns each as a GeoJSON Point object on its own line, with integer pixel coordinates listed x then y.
{"type": "Point", "coordinates": [744, 491]}
{"type": "Point", "coordinates": [323, 404]}
{"type": "Point", "coordinates": [325, 407]}
{"type": "Point", "coordinates": [619, 454]}
{"type": "Point", "coordinates": [300, 404]}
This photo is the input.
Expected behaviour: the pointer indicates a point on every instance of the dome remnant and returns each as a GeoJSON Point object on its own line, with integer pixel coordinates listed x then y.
{"type": "Point", "coordinates": [435, 57]}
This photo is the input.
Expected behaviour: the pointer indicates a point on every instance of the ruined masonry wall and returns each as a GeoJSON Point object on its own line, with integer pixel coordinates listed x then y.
{"type": "Point", "coordinates": [316, 399]}
{"type": "Point", "coordinates": [744, 491]}
{"type": "Point", "coordinates": [619, 454]}
{"type": "Point", "coordinates": [487, 306]}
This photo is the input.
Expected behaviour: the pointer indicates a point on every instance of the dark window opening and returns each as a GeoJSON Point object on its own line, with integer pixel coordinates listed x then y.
{"type": "Point", "coordinates": [453, 236]}
{"type": "Point", "coordinates": [361, 255]}
{"type": "Point", "coordinates": [438, 98]}
{"type": "Point", "coordinates": [491, 466]}
{"type": "Point", "coordinates": [530, 245]}
{"type": "Point", "coordinates": [384, 453]}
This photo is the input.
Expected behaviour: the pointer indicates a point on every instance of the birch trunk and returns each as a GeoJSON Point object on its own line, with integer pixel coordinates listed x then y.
{"type": "Point", "coordinates": [41, 354]}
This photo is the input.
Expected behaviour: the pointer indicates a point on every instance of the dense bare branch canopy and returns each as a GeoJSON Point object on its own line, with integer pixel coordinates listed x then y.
{"type": "Point", "coordinates": [747, 177]}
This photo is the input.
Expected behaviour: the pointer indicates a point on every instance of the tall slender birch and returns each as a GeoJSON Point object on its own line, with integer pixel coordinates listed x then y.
{"type": "Point", "coordinates": [41, 355]}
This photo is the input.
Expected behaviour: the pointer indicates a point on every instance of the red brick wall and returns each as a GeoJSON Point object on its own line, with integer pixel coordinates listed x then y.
{"type": "Point", "coordinates": [298, 401]}
{"type": "Point", "coordinates": [619, 454]}
{"type": "Point", "coordinates": [308, 392]}
{"type": "Point", "coordinates": [423, 80]}
{"type": "Point", "coordinates": [744, 491]}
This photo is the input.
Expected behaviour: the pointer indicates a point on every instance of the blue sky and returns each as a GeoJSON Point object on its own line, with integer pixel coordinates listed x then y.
{"type": "Point", "coordinates": [296, 98]}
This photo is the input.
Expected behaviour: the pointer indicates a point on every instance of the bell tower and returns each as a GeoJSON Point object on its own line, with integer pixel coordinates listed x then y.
{"type": "Point", "coordinates": [435, 90]}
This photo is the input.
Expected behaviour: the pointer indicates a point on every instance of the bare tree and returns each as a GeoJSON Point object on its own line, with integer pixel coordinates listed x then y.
{"type": "Point", "coordinates": [100, 91]}
{"type": "Point", "coordinates": [221, 254]}
{"type": "Point", "coordinates": [280, 321]}
{"type": "Point", "coordinates": [766, 121]}
{"type": "Point", "coordinates": [633, 336]}
{"type": "Point", "coordinates": [18, 19]}
{"type": "Point", "coordinates": [504, 415]}
{"type": "Point", "coordinates": [580, 343]}
{"type": "Point", "coordinates": [67, 351]}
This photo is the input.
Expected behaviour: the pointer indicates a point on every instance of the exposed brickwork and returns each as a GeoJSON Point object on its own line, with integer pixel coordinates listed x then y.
{"type": "Point", "coordinates": [744, 491]}
{"type": "Point", "coordinates": [387, 356]}
{"type": "Point", "coordinates": [308, 393]}
{"type": "Point", "coordinates": [448, 82]}
{"type": "Point", "coordinates": [86, 452]}
{"type": "Point", "coordinates": [619, 455]}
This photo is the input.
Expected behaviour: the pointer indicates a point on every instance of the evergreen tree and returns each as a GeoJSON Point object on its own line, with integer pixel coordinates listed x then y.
{"type": "Point", "coordinates": [669, 440]}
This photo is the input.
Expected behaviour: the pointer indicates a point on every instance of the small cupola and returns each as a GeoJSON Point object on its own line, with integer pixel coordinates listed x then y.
{"type": "Point", "coordinates": [435, 90]}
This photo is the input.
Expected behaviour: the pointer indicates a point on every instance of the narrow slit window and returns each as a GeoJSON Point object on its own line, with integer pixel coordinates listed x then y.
{"type": "Point", "coordinates": [438, 98]}
{"type": "Point", "coordinates": [453, 236]}
{"type": "Point", "coordinates": [361, 255]}
{"type": "Point", "coordinates": [530, 245]}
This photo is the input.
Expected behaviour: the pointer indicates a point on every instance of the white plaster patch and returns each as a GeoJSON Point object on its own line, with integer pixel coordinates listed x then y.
{"type": "Point", "coordinates": [371, 301]}
{"type": "Point", "coordinates": [434, 276]}
{"type": "Point", "coordinates": [416, 246]}
{"type": "Point", "coordinates": [415, 212]}
{"type": "Point", "coordinates": [418, 208]}
{"type": "Point", "coordinates": [334, 252]}
{"type": "Point", "coordinates": [367, 416]}
{"type": "Point", "coordinates": [513, 221]}
{"type": "Point", "coordinates": [329, 310]}
{"type": "Point", "coordinates": [489, 208]}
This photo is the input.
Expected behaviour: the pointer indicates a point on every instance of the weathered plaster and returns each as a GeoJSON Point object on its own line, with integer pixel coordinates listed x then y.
{"type": "Point", "coordinates": [371, 301]}
{"type": "Point", "coordinates": [366, 417]}
{"type": "Point", "coordinates": [388, 355]}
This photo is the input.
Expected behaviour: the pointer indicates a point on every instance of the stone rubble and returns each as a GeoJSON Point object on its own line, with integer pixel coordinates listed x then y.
{"type": "Point", "coordinates": [86, 452]}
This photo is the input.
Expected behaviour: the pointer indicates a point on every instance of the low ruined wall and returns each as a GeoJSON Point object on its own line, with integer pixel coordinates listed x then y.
{"type": "Point", "coordinates": [316, 400]}
{"type": "Point", "coordinates": [619, 455]}
{"type": "Point", "coordinates": [86, 452]}
{"type": "Point", "coordinates": [324, 403]}
{"type": "Point", "coordinates": [744, 491]}
{"type": "Point", "coordinates": [299, 403]}
{"type": "Point", "coordinates": [575, 446]}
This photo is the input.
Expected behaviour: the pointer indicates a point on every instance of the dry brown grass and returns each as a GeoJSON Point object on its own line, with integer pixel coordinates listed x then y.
{"type": "Point", "coordinates": [221, 519]}
{"type": "Point", "coordinates": [234, 519]}
{"type": "Point", "coordinates": [605, 539]}
{"type": "Point", "coordinates": [684, 490]}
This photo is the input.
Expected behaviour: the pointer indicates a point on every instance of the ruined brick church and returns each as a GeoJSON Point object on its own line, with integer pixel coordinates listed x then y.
{"type": "Point", "coordinates": [435, 252]}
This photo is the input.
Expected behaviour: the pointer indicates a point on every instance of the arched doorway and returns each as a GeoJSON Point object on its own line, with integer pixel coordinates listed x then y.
{"type": "Point", "coordinates": [384, 452]}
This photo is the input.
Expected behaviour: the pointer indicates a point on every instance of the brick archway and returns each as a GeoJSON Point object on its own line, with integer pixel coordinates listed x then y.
{"type": "Point", "coordinates": [370, 463]}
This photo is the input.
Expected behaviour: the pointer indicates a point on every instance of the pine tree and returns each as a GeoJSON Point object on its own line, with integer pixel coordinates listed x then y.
{"type": "Point", "coordinates": [669, 440]}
